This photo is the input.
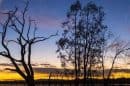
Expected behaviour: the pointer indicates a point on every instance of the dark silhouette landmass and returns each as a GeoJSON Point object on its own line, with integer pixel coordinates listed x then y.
{"type": "Point", "coordinates": [90, 82]}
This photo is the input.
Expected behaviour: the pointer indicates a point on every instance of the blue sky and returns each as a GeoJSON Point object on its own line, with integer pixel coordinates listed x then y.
{"type": "Point", "coordinates": [51, 13]}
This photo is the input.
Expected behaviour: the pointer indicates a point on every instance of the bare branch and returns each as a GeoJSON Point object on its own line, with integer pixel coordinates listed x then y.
{"type": "Point", "coordinates": [3, 53]}
{"type": "Point", "coordinates": [13, 41]}
{"type": "Point", "coordinates": [29, 27]}
{"type": "Point", "coordinates": [10, 69]}
{"type": "Point", "coordinates": [38, 39]}
{"type": "Point", "coordinates": [35, 29]}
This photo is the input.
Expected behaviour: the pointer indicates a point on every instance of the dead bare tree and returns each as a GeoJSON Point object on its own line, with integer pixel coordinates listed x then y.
{"type": "Point", "coordinates": [118, 48]}
{"type": "Point", "coordinates": [25, 38]}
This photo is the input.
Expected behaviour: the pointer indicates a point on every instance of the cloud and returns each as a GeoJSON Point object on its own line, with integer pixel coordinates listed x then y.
{"type": "Point", "coordinates": [48, 22]}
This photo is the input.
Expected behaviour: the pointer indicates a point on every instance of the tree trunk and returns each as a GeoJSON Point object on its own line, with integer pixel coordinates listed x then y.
{"type": "Point", "coordinates": [84, 76]}
{"type": "Point", "coordinates": [84, 82]}
{"type": "Point", "coordinates": [75, 52]}
{"type": "Point", "coordinates": [30, 81]}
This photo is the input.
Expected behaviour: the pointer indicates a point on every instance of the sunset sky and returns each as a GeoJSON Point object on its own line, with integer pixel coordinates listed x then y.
{"type": "Point", "coordinates": [49, 15]}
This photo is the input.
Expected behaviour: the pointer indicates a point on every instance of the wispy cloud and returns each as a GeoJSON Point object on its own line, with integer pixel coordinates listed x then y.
{"type": "Point", "coordinates": [48, 22]}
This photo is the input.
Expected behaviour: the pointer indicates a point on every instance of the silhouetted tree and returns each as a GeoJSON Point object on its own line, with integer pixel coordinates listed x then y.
{"type": "Point", "coordinates": [20, 26]}
{"type": "Point", "coordinates": [119, 49]}
{"type": "Point", "coordinates": [68, 45]}
{"type": "Point", "coordinates": [84, 38]}
{"type": "Point", "coordinates": [49, 79]}
{"type": "Point", "coordinates": [94, 36]}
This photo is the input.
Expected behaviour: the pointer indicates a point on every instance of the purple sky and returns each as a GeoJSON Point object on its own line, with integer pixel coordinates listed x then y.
{"type": "Point", "coordinates": [51, 13]}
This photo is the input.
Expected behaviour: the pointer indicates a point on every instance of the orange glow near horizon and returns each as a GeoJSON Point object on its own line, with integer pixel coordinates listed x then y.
{"type": "Point", "coordinates": [12, 76]}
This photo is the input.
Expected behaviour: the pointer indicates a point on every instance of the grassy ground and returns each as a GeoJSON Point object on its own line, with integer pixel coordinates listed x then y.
{"type": "Point", "coordinates": [95, 82]}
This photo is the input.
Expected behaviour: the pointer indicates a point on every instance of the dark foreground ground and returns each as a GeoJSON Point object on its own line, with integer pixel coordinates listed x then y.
{"type": "Point", "coordinates": [95, 82]}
